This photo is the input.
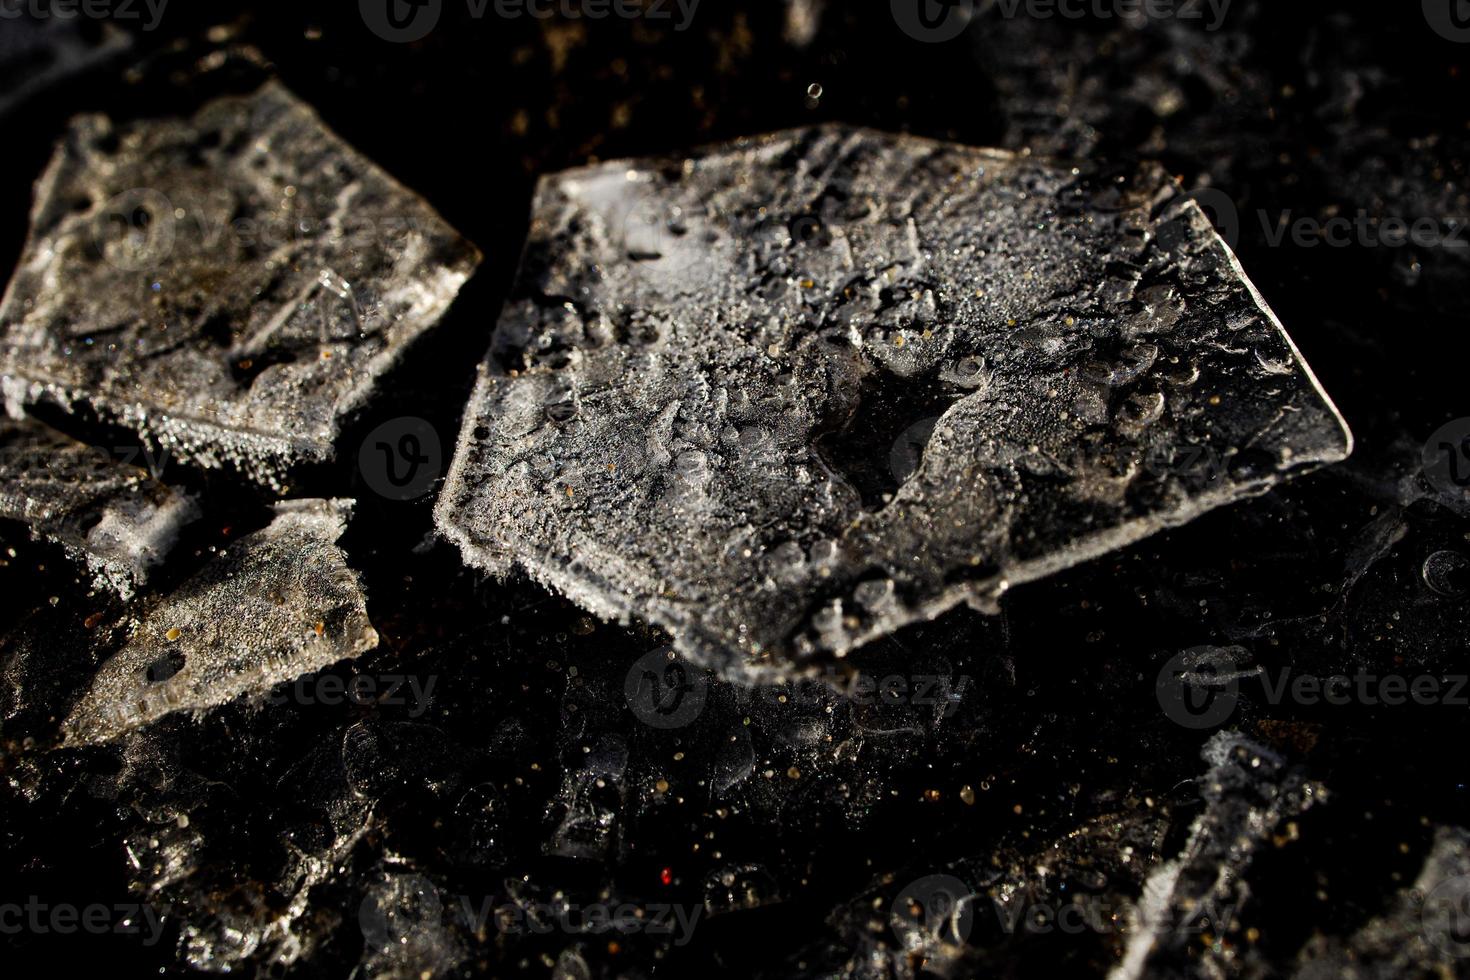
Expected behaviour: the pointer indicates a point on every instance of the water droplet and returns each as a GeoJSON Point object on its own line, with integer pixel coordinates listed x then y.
{"type": "Point", "coordinates": [561, 407]}
{"type": "Point", "coordinates": [874, 594]}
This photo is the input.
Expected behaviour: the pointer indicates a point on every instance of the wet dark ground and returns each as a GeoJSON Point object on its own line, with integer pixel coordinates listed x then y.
{"type": "Point", "coordinates": [1055, 773]}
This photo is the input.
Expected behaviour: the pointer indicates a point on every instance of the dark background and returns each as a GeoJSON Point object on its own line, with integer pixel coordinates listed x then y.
{"type": "Point", "coordinates": [1313, 108]}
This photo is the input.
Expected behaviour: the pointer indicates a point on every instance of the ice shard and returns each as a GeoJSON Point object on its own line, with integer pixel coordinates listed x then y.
{"type": "Point", "coordinates": [117, 520]}
{"type": "Point", "coordinates": [229, 286]}
{"type": "Point", "coordinates": [1250, 793]}
{"type": "Point", "coordinates": [794, 392]}
{"type": "Point", "coordinates": [276, 604]}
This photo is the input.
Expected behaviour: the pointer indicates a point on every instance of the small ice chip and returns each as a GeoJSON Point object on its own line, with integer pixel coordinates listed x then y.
{"type": "Point", "coordinates": [276, 604]}
{"type": "Point", "coordinates": [116, 519]}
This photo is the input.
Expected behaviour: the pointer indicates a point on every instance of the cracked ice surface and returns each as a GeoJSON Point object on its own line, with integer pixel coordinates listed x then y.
{"type": "Point", "coordinates": [113, 518]}
{"type": "Point", "coordinates": [798, 391]}
{"type": "Point", "coordinates": [230, 286]}
{"type": "Point", "coordinates": [276, 604]}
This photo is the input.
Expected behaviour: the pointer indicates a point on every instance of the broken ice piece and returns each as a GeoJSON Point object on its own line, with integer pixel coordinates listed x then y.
{"type": "Point", "coordinates": [276, 604]}
{"type": "Point", "coordinates": [114, 518]}
{"type": "Point", "coordinates": [1249, 793]}
{"type": "Point", "coordinates": [229, 286]}
{"type": "Point", "coordinates": [798, 391]}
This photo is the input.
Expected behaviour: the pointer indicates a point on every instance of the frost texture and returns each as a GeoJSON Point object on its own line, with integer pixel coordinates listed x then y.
{"type": "Point", "coordinates": [276, 604]}
{"type": "Point", "coordinates": [794, 393]}
{"type": "Point", "coordinates": [113, 518]}
{"type": "Point", "coordinates": [230, 286]}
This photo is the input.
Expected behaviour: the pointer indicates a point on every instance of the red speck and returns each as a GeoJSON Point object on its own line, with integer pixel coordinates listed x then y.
{"type": "Point", "coordinates": [666, 876]}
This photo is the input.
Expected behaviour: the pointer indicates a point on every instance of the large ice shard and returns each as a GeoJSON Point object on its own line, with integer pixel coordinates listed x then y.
{"type": "Point", "coordinates": [276, 604]}
{"type": "Point", "coordinates": [795, 392]}
{"type": "Point", "coordinates": [116, 519]}
{"type": "Point", "coordinates": [230, 286]}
